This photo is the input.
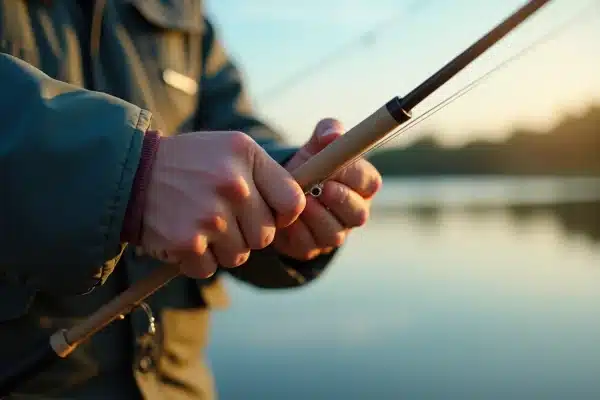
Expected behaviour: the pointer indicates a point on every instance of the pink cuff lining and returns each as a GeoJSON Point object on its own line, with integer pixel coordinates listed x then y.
{"type": "Point", "coordinates": [131, 231]}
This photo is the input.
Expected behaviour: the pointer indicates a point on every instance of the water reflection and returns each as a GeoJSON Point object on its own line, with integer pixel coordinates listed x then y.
{"type": "Point", "coordinates": [464, 300]}
{"type": "Point", "coordinates": [580, 218]}
{"type": "Point", "coordinates": [575, 218]}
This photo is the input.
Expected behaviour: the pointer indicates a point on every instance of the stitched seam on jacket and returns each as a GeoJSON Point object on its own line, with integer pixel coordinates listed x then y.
{"type": "Point", "coordinates": [143, 119]}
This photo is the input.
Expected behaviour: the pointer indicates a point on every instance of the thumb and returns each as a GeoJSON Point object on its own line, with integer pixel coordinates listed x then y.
{"type": "Point", "coordinates": [326, 131]}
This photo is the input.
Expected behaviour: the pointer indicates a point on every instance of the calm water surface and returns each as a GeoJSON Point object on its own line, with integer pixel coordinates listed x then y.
{"type": "Point", "coordinates": [489, 291]}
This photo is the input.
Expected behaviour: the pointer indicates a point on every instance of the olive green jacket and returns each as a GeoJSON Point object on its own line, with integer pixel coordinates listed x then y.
{"type": "Point", "coordinates": [68, 156]}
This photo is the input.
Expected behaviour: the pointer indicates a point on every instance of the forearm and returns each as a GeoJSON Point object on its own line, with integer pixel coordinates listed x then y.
{"type": "Point", "coordinates": [68, 158]}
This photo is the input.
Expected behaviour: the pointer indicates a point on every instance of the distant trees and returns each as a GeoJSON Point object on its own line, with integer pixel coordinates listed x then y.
{"type": "Point", "coordinates": [571, 148]}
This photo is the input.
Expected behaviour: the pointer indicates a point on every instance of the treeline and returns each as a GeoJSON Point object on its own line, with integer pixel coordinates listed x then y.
{"type": "Point", "coordinates": [572, 147]}
{"type": "Point", "coordinates": [580, 219]}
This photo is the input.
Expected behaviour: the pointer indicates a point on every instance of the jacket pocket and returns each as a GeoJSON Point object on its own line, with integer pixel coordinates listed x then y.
{"type": "Point", "coordinates": [15, 300]}
{"type": "Point", "coordinates": [168, 35]}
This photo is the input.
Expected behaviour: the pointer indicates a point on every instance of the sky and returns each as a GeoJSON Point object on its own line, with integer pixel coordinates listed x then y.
{"type": "Point", "coordinates": [343, 77]}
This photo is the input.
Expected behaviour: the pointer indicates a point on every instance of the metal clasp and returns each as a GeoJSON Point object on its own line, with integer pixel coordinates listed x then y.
{"type": "Point", "coordinates": [151, 319]}
{"type": "Point", "coordinates": [147, 346]}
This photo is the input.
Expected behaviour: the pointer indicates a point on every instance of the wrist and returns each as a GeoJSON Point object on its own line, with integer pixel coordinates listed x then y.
{"type": "Point", "coordinates": [132, 223]}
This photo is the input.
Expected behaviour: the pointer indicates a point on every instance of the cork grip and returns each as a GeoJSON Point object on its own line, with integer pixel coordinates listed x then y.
{"type": "Point", "coordinates": [353, 143]}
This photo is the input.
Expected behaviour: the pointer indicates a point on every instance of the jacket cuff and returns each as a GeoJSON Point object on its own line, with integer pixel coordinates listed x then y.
{"type": "Point", "coordinates": [131, 231]}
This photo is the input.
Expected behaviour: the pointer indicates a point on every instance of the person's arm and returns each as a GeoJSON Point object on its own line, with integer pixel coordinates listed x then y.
{"type": "Point", "coordinates": [68, 159]}
{"type": "Point", "coordinates": [224, 105]}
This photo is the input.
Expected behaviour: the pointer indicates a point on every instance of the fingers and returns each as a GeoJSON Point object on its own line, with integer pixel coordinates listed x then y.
{"type": "Point", "coordinates": [250, 215]}
{"type": "Point", "coordinates": [199, 267]}
{"type": "Point", "coordinates": [324, 227]}
{"type": "Point", "coordinates": [326, 131]}
{"type": "Point", "coordinates": [229, 246]}
{"type": "Point", "coordinates": [199, 261]}
{"type": "Point", "coordinates": [285, 198]}
{"type": "Point", "coordinates": [362, 177]}
{"type": "Point", "coordinates": [256, 222]}
{"type": "Point", "coordinates": [236, 198]}
{"type": "Point", "coordinates": [316, 232]}
{"type": "Point", "coordinates": [348, 206]}
{"type": "Point", "coordinates": [213, 198]}
{"type": "Point", "coordinates": [296, 241]}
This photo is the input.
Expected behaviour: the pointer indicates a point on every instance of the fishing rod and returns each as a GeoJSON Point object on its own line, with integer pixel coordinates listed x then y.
{"type": "Point", "coordinates": [310, 176]}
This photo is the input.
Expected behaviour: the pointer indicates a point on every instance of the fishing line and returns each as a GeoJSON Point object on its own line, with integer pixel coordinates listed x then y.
{"type": "Point", "coordinates": [335, 55]}
{"type": "Point", "coordinates": [561, 28]}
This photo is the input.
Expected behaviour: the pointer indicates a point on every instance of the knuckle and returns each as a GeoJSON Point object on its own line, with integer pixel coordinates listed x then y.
{"type": "Point", "coordinates": [200, 245]}
{"type": "Point", "coordinates": [186, 241]}
{"type": "Point", "coordinates": [241, 144]}
{"type": "Point", "coordinates": [233, 186]}
{"type": "Point", "coordinates": [181, 238]}
{"type": "Point", "coordinates": [213, 222]}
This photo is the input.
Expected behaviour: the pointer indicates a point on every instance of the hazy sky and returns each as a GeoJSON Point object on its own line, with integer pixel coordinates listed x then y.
{"type": "Point", "coordinates": [273, 40]}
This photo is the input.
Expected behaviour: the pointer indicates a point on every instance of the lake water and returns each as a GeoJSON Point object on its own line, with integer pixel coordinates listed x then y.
{"type": "Point", "coordinates": [456, 289]}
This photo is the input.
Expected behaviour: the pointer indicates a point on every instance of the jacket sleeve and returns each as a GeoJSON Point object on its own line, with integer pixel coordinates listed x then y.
{"type": "Point", "coordinates": [68, 157]}
{"type": "Point", "coordinates": [224, 104]}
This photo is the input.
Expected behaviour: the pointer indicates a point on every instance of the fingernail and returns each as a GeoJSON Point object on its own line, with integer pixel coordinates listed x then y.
{"type": "Point", "coordinates": [268, 239]}
{"type": "Point", "coordinates": [331, 131]}
{"type": "Point", "coordinates": [242, 258]}
{"type": "Point", "coordinates": [208, 275]}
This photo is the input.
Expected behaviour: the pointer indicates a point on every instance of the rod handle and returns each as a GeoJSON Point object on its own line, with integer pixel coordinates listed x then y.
{"type": "Point", "coordinates": [352, 144]}
{"type": "Point", "coordinates": [120, 305]}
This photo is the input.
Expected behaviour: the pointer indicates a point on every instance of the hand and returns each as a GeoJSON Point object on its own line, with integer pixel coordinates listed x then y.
{"type": "Point", "coordinates": [343, 205]}
{"type": "Point", "coordinates": [213, 197]}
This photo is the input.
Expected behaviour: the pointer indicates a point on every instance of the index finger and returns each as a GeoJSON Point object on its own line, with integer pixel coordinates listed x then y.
{"type": "Point", "coordinates": [278, 188]}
